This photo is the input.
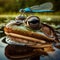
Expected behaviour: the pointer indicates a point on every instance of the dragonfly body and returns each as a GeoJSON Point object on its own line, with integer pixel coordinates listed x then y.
{"type": "Point", "coordinates": [34, 11]}
{"type": "Point", "coordinates": [46, 7]}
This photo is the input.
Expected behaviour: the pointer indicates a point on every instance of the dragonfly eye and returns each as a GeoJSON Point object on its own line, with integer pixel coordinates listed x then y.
{"type": "Point", "coordinates": [33, 22]}
{"type": "Point", "coordinates": [21, 10]}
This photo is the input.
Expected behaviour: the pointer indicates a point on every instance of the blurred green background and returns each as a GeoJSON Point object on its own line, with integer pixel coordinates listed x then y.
{"type": "Point", "coordinates": [15, 5]}
{"type": "Point", "coordinates": [9, 9]}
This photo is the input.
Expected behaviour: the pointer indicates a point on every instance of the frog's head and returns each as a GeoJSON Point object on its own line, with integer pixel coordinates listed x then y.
{"type": "Point", "coordinates": [33, 22]}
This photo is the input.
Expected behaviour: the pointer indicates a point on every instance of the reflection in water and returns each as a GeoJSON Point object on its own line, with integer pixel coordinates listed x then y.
{"type": "Point", "coordinates": [20, 52]}
{"type": "Point", "coordinates": [51, 55]}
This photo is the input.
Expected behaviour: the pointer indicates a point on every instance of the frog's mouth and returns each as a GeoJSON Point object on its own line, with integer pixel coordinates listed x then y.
{"type": "Point", "coordinates": [29, 41]}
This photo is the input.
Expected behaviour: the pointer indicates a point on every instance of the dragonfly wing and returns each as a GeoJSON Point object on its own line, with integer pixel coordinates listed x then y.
{"type": "Point", "coordinates": [45, 6]}
{"type": "Point", "coordinates": [36, 7]}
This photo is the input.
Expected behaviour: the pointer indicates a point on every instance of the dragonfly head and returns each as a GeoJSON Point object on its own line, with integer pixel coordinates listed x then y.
{"type": "Point", "coordinates": [33, 22]}
{"type": "Point", "coordinates": [21, 10]}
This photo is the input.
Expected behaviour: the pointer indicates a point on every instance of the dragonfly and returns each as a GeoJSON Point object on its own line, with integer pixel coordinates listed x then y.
{"type": "Point", "coordinates": [45, 7]}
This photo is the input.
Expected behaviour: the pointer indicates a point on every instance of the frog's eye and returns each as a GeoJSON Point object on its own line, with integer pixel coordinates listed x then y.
{"type": "Point", "coordinates": [33, 22]}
